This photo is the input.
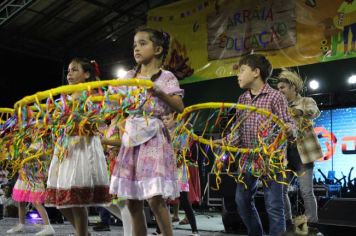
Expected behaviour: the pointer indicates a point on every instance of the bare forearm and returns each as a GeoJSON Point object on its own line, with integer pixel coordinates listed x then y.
{"type": "Point", "coordinates": [110, 142]}
{"type": "Point", "coordinates": [174, 101]}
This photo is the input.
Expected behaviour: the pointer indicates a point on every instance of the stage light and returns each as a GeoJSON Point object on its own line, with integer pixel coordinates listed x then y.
{"type": "Point", "coordinates": [313, 84]}
{"type": "Point", "coordinates": [352, 79]}
{"type": "Point", "coordinates": [33, 215]}
{"type": "Point", "coordinates": [121, 73]}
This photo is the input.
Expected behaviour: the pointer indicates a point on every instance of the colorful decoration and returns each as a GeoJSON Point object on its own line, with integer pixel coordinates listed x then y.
{"type": "Point", "coordinates": [225, 121]}
{"type": "Point", "coordinates": [42, 123]}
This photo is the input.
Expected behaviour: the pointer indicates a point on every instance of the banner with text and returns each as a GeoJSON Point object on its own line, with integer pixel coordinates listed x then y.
{"type": "Point", "coordinates": [209, 36]}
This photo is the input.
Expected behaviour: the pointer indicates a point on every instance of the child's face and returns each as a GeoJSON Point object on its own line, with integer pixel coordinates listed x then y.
{"type": "Point", "coordinates": [168, 120]}
{"type": "Point", "coordinates": [287, 90]}
{"type": "Point", "coordinates": [144, 49]}
{"type": "Point", "coordinates": [76, 74]}
{"type": "Point", "coordinates": [246, 76]}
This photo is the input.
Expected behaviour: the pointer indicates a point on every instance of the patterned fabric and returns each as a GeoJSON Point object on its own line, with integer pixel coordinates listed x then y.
{"type": "Point", "coordinates": [112, 133]}
{"type": "Point", "coordinates": [30, 184]}
{"type": "Point", "coordinates": [81, 177]}
{"type": "Point", "coordinates": [247, 137]}
{"type": "Point", "coordinates": [179, 142]}
{"type": "Point", "coordinates": [139, 129]}
{"type": "Point", "coordinates": [77, 196]}
{"type": "Point", "coordinates": [146, 170]}
{"type": "Point", "coordinates": [307, 143]}
{"type": "Point", "coordinates": [23, 191]}
{"type": "Point", "coordinates": [183, 180]}
{"type": "Point", "coordinates": [149, 169]}
{"type": "Point", "coordinates": [168, 83]}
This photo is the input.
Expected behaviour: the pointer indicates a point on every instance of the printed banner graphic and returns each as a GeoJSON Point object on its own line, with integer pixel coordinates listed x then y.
{"type": "Point", "coordinates": [236, 31]}
{"type": "Point", "coordinates": [210, 36]}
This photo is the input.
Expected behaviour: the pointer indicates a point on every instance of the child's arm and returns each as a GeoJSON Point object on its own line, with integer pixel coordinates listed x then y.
{"type": "Point", "coordinates": [280, 109]}
{"type": "Point", "coordinates": [111, 135]}
{"type": "Point", "coordinates": [174, 101]}
{"type": "Point", "coordinates": [110, 142]}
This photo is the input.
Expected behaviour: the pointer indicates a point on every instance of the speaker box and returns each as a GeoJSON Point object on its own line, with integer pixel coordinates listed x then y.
{"type": "Point", "coordinates": [339, 211]}
{"type": "Point", "coordinates": [338, 217]}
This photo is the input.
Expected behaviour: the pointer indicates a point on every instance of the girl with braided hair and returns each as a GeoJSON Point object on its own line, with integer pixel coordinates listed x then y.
{"type": "Point", "coordinates": [145, 167]}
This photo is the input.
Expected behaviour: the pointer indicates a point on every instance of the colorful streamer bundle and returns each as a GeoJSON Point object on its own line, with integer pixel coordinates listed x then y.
{"type": "Point", "coordinates": [225, 122]}
{"type": "Point", "coordinates": [5, 114]}
{"type": "Point", "coordinates": [43, 122]}
{"type": "Point", "coordinates": [46, 119]}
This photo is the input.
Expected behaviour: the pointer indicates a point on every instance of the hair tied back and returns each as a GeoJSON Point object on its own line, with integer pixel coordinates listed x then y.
{"type": "Point", "coordinates": [96, 67]}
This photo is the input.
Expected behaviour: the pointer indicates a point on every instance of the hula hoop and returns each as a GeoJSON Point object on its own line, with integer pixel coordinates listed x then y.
{"type": "Point", "coordinates": [214, 105]}
{"type": "Point", "coordinates": [67, 89]}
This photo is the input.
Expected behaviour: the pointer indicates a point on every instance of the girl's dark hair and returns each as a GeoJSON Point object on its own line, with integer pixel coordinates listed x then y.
{"type": "Point", "coordinates": [88, 66]}
{"type": "Point", "coordinates": [159, 38]}
{"type": "Point", "coordinates": [153, 77]}
{"type": "Point", "coordinates": [258, 61]}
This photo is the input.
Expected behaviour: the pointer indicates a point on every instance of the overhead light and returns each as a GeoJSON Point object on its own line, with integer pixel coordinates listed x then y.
{"type": "Point", "coordinates": [121, 73]}
{"type": "Point", "coordinates": [314, 84]}
{"type": "Point", "coordinates": [114, 38]}
{"type": "Point", "coordinates": [352, 79]}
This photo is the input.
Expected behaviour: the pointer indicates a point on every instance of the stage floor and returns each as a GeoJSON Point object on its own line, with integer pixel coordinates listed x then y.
{"type": "Point", "coordinates": [66, 229]}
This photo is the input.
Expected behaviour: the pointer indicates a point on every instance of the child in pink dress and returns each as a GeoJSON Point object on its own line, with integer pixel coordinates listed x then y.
{"type": "Point", "coordinates": [31, 190]}
{"type": "Point", "coordinates": [145, 168]}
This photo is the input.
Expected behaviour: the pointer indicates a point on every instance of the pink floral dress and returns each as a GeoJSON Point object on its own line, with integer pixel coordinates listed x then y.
{"type": "Point", "coordinates": [147, 169]}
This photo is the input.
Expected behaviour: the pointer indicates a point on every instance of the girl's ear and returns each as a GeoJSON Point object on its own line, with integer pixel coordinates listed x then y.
{"type": "Point", "coordinates": [158, 50]}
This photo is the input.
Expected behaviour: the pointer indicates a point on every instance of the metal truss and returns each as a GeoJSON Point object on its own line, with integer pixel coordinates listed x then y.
{"type": "Point", "coordinates": [10, 7]}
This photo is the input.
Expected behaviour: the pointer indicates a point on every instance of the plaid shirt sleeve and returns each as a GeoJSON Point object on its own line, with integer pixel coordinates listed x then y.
{"type": "Point", "coordinates": [280, 109]}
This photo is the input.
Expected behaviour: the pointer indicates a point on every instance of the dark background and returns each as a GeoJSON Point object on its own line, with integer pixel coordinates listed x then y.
{"type": "Point", "coordinates": [39, 37]}
{"type": "Point", "coordinates": [24, 74]}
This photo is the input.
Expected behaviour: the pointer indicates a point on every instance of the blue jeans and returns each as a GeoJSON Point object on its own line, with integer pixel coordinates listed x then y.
{"type": "Point", "coordinates": [104, 215]}
{"type": "Point", "coordinates": [273, 198]}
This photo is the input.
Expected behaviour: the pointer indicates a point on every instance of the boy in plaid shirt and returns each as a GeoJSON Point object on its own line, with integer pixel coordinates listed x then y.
{"type": "Point", "coordinates": [254, 70]}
